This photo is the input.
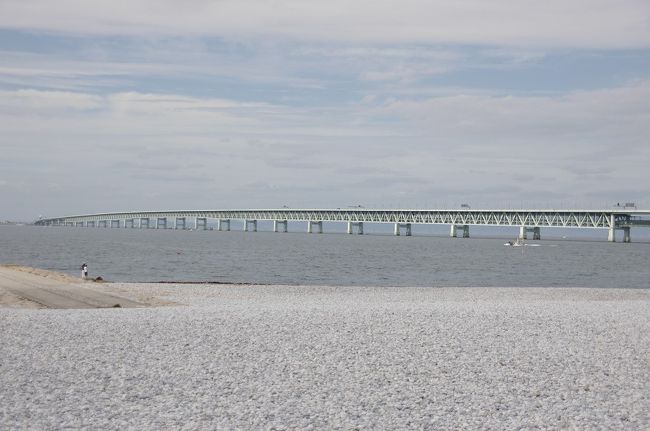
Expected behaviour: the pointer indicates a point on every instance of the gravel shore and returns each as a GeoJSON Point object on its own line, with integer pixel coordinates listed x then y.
{"type": "Point", "coordinates": [286, 357]}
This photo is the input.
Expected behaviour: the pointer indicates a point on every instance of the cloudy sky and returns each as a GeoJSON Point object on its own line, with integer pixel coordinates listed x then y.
{"type": "Point", "coordinates": [160, 104]}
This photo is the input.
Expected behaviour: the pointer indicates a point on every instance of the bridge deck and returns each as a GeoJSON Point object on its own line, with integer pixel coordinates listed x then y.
{"type": "Point", "coordinates": [604, 219]}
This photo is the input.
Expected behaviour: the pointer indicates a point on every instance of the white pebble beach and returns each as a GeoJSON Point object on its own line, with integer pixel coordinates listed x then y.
{"type": "Point", "coordinates": [298, 357]}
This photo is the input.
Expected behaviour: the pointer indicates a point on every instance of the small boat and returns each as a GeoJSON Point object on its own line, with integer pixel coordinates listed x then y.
{"type": "Point", "coordinates": [519, 242]}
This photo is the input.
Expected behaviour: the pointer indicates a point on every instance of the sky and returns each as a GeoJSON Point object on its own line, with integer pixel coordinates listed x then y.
{"type": "Point", "coordinates": [157, 104]}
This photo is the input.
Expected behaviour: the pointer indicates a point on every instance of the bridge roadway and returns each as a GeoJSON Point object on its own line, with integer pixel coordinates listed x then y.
{"type": "Point", "coordinates": [528, 221]}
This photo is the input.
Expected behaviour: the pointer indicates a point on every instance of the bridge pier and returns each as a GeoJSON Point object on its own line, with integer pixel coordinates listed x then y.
{"type": "Point", "coordinates": [611, 237]}
{"type": "Point", "coordinates": [161, 221]}
{"type": "Point", "coordinates": [398, 226]}
{"type": "Point", "coordinates": [523, 232]}
{"type": "Point", "coordinates": [129, 222]}
{"type": "Point", "coordinates": [79, 224]}
{"type": "Point", "coordinates": [626, 234]}
{"type": "Point", "coordinates": [359, 226]}
{"type": "Point", "coordinates": [90, 224]}
{"type": "Point", "coordinates": [311, 224]}
{"type": "Point", "coordinates": [252, 222]}
{"type": "Point", "coordinates": [103, 223]}
{"type": "Point", "coordinates": [222, 223]}
{"type": "Point", "coordinates": [453, 232]}
{"type": "Point", "coordinates": [116, 223]}
{"type": "Point", "coordinates": [179, 221]}
{"type": "Point", "coordinates": [144, 221]}
{"type": "Point", "coordinates": [280, 224]}
{"type": "Point", "coordinates": [200, 222]}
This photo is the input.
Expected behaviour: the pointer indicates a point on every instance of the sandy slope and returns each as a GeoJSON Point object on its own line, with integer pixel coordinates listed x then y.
{"type": "Point", "coordinates": [36, 288]}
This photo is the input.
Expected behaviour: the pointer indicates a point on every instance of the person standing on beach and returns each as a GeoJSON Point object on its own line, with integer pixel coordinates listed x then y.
{"type": "Point", "coordinates": [84, 271]}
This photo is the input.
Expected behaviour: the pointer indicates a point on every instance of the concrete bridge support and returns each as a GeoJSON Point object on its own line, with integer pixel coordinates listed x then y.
{"type": "Point", "coordinates": [200, 223]}
{"type": "Point", "coordinates": [611, 237]}
{"type": "Point", "coordinates": [90, 224]}
{"type": "Point", "coordinates": [626, 234]}
{"type": "Point", "coordinates": [103, 223]}
{"type": "Point", "coordinates": [161, 221]}
{"type": "Point", "coordinates": [179, 221]}
{"type": "Point", "coordinates": [523, 232]}
{"type": "Point", "coordinates": [406, 226]}
{"type": "Point", "coordinates": [144, 223]}
{"type": "Point", "coordinates": [223, 225]}
{"type": "Point", "coordinates": [252, 223]}
{"type": "Point", "coordinates": [79, 224]}
{"type": "Point", "coordinates": [116, 223]}
{"type": "Point", "coordinates": [280, 226]}
{"type": "Point", "coordinates": [129, 222]}
{"type": "Point", "coordinates": [311, 224]}
{"type": "Point", "coordinates": [359, 226]}
{"type": "Point", "coordinates": [453, 232]}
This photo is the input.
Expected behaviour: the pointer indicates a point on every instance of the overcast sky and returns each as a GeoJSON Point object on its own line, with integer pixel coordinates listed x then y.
{"type": "Point", "coordinates": [127, 105]}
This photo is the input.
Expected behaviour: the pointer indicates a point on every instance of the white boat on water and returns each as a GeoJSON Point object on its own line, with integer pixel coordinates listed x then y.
{"type": "Point", "coordinates": [519, 242]}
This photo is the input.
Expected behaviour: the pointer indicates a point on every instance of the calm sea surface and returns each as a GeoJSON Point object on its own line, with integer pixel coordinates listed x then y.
{"type": "Point", "coordinates": [328, 259]}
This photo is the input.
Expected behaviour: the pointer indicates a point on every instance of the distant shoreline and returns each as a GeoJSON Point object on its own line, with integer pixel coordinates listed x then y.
{"type": "Point", "coordinates": [17, 281]}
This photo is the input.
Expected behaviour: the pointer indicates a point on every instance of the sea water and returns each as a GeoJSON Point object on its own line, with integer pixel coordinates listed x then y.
{"type": "Point", "coordinates": [135, 255]}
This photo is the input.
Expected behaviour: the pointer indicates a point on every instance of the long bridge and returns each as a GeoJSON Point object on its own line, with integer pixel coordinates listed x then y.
{"type": "Point", "coordinates": [528, 221]}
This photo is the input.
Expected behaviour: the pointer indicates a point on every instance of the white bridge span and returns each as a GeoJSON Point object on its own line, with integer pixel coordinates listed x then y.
{"type": "Point", "coordinates": [528, 221]}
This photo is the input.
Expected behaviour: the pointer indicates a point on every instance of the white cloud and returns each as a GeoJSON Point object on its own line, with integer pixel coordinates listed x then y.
{"type": "Point", "coordinates": [33, 101]}
{"type": "Point", "coordinates": [189, 150]}
{"type": "Point", "coordinates": [596, 117]}
{"type": "Point", "coordinates": [554, 23]}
